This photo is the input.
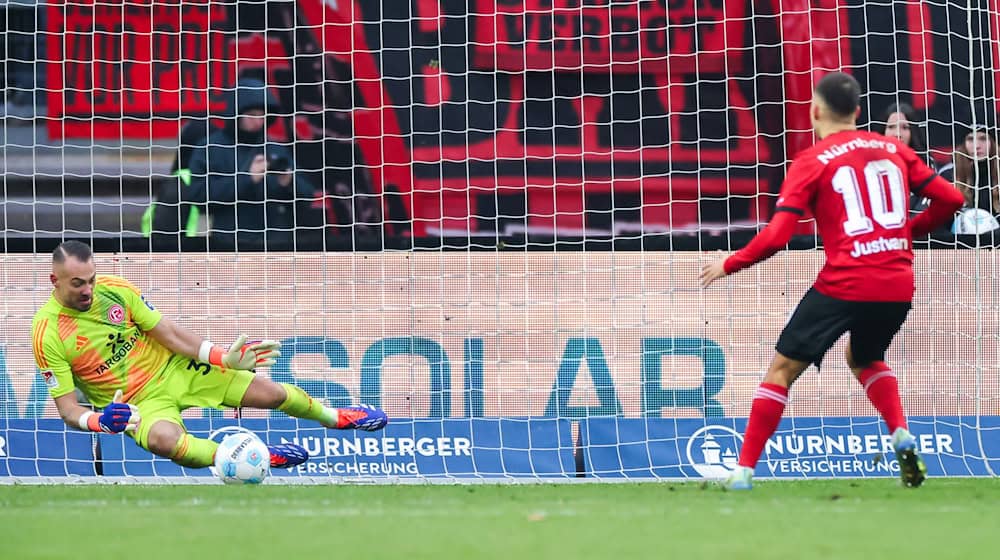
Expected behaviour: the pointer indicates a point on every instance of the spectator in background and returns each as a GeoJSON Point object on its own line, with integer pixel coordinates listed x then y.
{"type": "Point", "coordinates": [169, 217]}
{"type": "Point", "coordinates": [326, 102]}
{"type": "Point", "coordinates": [256, 199]}
{"type": "Point", "coordinates": [900, 120]}
{"type": "Point", "coordinates": [977, 175]}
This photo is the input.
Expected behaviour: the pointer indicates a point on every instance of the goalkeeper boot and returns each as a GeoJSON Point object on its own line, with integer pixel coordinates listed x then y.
{"type": "Point", "coordinates": [287, 455]}
{"type": "Point", "coordinates": [912, 469]}
{"type": "Point", "coordinates": [740, 479]}
{"type": "Point", "coordinates": [361, 417]}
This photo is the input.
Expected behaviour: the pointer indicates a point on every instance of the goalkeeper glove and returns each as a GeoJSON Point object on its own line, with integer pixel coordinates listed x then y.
{"type": "Point", "coordinates": [115, 418]}
{"type": "Point", "coordinates": [242, 354]}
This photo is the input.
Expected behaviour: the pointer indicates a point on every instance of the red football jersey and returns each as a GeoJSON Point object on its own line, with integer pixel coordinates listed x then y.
{"type": "Point", "coordinates": [857, 185]}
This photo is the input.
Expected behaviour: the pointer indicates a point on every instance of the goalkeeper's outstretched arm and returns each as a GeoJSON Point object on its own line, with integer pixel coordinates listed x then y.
{"type": "Point", "coordinates": [176, 338]}
{"type": "Point", "coordinates": [241, 354]}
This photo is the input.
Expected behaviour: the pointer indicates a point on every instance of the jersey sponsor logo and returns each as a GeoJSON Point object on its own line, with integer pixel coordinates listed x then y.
{"type": "Point", "coordinates": [712, 451]}
{"type": "Point", "coordinates": [50, 379]}
{"type": "Point", "coordinates": [120, 348]}
{"type": "Point", "coordinates": [114, 340]}
{"type": "Point", "coordinates": [828, 155]}
{"type": "Point", "coordinates": [880, 245]}
{"type": "Point", "coordinates": [116, 314]}
{"type": "Point", "coordinates": [149, 305]}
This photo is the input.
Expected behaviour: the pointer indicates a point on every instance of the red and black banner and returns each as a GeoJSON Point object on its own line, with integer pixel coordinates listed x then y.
{"type": "Point", "coordinates": [660, 38]}
{"type": "Point", "coordinates": [126, 69]}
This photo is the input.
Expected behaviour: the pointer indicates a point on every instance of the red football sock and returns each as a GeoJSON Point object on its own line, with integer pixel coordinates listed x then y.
{"type": "Point", "coordinates": [765, 413]}
{"type": "Point", "coordinates": [883, 391]}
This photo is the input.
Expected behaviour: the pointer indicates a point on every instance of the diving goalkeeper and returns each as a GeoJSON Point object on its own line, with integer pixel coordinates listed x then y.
{"type": "Point", "coordinates": [99, 334]}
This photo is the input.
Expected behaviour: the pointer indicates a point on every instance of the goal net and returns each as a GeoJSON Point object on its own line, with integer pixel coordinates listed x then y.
{"type": "Point", "coordinates": [488, 219]}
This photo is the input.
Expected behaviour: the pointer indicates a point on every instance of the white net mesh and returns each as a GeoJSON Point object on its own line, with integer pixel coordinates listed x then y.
{"type": "Point", "coordinates": [487, 218]}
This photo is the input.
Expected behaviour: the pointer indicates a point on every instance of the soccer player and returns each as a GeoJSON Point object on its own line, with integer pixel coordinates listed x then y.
{"type": "Point", "coordinates": [98, 333]}
{"type": "Point", "coordinates": [857, 186]}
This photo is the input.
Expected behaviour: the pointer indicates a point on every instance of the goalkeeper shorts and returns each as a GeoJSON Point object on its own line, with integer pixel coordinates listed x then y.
{"type": "Point", "coordinates": [185, 383]}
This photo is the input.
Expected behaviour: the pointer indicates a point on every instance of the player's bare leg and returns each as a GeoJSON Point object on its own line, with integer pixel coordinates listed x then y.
{"type": "Point", "coordinates": [882, 389]}
{"type": "Point", "coordinates": [765, 413]}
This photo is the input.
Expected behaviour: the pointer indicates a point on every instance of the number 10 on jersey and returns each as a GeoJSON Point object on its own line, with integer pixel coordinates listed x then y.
{"type": "Point", "coordinates": [886, 194]}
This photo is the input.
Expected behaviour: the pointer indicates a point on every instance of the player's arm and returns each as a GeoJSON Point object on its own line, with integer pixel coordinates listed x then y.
{"type": "Point", "coordinates": [70, 410]}
{"type": "Point", "coordinates": [769, 241]}
{"type": "Point", "coordinates": [945, 201]}
{"type": "Point", "coordinates": [796, 194]}
{"type": "Point", "coordinates": [176, 338]}
{"type": "Point", "coordinates": [925, 182]}
{"type": "Point", "coordinates": [179, 340]}
{"type": "Point", "coordinates": [241, 355]}
{"type": "Point", "coordinates": [115, 417]}
{"type": "Point", "coordinates": [50, 358]}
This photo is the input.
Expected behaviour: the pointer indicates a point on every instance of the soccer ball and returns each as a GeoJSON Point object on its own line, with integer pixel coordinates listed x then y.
{"type": "Point", "coordinates": [974, 221]}
{"type": "Point", "coordinates": [242, 458]}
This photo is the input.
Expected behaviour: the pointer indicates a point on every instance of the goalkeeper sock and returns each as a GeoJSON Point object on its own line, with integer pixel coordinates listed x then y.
{"type": "Point", "coordinates": [300, 405]}
{"type": "Point", "coordinates": [883, 392]}
{"type": "Point", "coordinates": [194, 452]}
{"type": "Point", "coordinates": [765, 413]}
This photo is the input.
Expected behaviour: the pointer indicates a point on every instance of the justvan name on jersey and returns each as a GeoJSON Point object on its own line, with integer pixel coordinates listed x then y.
{"type": "Point", "coordinates": [827, 155]}
{"type": "Point", "coordinates": [880, 245]}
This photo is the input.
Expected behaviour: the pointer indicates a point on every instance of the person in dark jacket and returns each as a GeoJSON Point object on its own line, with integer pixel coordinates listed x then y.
{"type": "Point", "coordinates": [256, 199]}
{"type": "Point", "coordinates": [170, 216]}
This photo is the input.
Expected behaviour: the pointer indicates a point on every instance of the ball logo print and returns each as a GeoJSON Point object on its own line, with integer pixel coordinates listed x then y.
{"type": "Point", "coordinates": [713, 451]}
{"type": "Point", "coordinates": [116, 314]}
{"type": "Point", "coordinates": [254, 458]}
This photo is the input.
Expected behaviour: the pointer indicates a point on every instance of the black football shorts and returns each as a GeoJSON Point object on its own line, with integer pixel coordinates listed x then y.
{"type": "Point", "coordinates": [819, 321]}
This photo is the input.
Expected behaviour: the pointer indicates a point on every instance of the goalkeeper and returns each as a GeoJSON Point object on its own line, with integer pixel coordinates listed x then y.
{"type": "Point", "coordinates": [99, 334]}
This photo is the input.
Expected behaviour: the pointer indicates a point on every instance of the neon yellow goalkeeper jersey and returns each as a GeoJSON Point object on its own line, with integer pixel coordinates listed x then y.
{"type": "Point", "coordinates": [100, 350]}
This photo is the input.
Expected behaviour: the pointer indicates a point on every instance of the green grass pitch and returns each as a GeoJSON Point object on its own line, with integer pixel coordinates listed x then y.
{"type": "Point", "coordinates": [947, 518]}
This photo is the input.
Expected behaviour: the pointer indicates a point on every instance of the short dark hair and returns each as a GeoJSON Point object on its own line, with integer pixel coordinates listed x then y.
{"type": "Point", "coordinates": [76, 249]}
{"type": "Point", "coordinates": [840, 92]}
